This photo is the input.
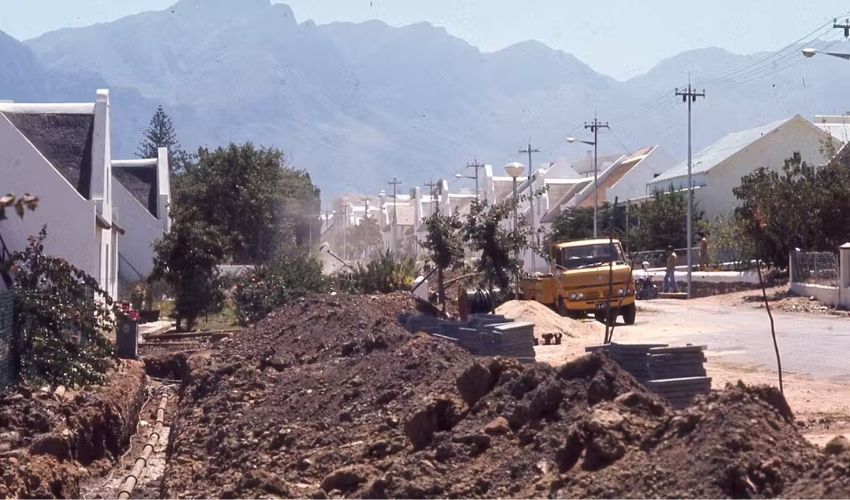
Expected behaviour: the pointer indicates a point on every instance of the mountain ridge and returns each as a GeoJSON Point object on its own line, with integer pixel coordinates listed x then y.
{"type": "Point", "coordinates": [358, 103]}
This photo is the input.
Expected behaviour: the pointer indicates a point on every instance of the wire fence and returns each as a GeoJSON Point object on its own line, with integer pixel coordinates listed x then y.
{"type": "Point", "coordinates": [7, 354]}
{"type": "Point", "coordinates": [815, 268]}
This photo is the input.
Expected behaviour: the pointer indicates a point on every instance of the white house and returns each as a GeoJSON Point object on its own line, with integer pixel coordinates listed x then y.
{"type": "Point", "coordinates": [141, 197]}
{"type": "Point", "coordinates": [718, 169]}
{"type": "Point", "coordinates": [838, 126]}
{"type": "Point", "coordinates": [629, 181]}
{"type": "Point", "coordinates": [61, 153]}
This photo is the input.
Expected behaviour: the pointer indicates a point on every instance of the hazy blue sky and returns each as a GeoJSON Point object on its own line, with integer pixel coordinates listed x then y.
{"type": "Point", "coordinates": [618, 37]}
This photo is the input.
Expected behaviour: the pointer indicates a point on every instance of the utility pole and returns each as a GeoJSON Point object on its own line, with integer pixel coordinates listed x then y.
{"type": "Point", "coordinates": [431, 185]}
{"type": "Point", "coordinates": [476, 166]}
{"type": "Point", "coordinates": [689, 96]}
{"type": "Point", "coordinates": [845, 26]}
{"type": "Point", "coordinates": [529, 150]}
{"type": "Point", "coordinates": [594, 127]}
{"type": "Point", "coordinates": [394, 183]}
{"type": "Point", "coordinates": [344, 231]}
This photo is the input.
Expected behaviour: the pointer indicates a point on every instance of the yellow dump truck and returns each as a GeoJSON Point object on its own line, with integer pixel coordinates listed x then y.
{"type": "Point", "coordinates": [579, 283]}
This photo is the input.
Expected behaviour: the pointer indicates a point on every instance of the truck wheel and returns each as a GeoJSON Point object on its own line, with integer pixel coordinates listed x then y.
{"type": "Point", "coordinates": [629, 313]}
{"type": "Point", "coordinates": [600, 316]}
{"type": "Point", "coordinates": [561, 307]}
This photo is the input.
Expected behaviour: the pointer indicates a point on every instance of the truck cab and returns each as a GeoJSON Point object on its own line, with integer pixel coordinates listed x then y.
{"type": "Point", "coordinates": [579, 283]}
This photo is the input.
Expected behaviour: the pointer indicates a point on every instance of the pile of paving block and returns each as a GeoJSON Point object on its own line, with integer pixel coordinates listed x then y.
{"type": "Point", "coordinates": [480, 334]}
{"type": "Point", "coordinates": [675, 373]}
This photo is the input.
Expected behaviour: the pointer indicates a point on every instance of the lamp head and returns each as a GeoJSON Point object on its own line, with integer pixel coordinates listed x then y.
{"type": "Point", "coordinates": [571, 140]}
{"type": "Point", "coordinates": [809, 52]}
{"type": "Point", "coordinates": [514, 169]}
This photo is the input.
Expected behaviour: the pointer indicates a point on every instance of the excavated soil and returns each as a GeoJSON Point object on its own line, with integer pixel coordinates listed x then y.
{"type": "Point", "coordinates": [330, 397]}
{"type": "Point", "coordinates": [50, 441]}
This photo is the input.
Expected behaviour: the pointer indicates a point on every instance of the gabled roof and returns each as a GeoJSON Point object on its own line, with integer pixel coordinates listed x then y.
{"type": "Point", "coordinates": [612, 175]}
{"type": "Point", "coordinates": [64, 139]}
{"type": "Point", "coordinates": [721, 150]}
{"type": "Point", "coordinates": [141, 183]}
{"type": "Point", "coordinates": [559, 194]}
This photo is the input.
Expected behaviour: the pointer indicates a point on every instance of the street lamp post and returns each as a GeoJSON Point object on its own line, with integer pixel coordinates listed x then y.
{"type": "Point", "coordinates": [394, 183]}
{"type": "Point", "coordinates": [515, 169]}
{"type": "Point", "coordinates": [810, 52]}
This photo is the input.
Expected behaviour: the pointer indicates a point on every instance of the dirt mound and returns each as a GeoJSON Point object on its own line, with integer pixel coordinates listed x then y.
{"type": "Point", "coordinates": [740, 442]}
{"type": "Point", "coordinates": [51, 440]}
{"type": "Point", "coordinates": [548, 321]}
{"type": "Point", "coordinates": [329, 396]}
{"type": "Point", "coordinates": [830, 478]}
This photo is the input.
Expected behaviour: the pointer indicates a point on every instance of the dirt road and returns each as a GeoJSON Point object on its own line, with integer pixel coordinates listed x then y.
{"type": "Point", "coordinates": [814, 350]}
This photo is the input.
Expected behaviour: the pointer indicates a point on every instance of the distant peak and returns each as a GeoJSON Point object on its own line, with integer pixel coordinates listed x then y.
{"type": "Point", "coordinates": [222, 9]}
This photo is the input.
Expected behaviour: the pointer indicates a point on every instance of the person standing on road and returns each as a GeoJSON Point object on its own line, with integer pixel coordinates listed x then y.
{"type": "Point", "coordinates": [703, 252]}
{"type": "Point", "coordinates": [670, 284]}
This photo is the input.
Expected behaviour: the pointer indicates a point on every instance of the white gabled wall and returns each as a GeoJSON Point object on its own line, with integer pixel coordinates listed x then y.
{"type": "Point", "coordinates": [771, 151]}
{"type": "Point", "coordinates": [633, 185]}
{"type": "Point", "coordinates": [142, 229]}
{"type": "Point", "coordinates": [69, 217]}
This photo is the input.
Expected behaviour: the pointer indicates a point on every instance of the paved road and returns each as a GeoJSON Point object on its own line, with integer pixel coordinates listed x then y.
{"type": "Point", "coordinates": [809, 344]}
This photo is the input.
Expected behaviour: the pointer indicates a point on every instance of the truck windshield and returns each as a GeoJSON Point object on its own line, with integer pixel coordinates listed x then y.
{"type": "Point", "coordinates": [590, 255]}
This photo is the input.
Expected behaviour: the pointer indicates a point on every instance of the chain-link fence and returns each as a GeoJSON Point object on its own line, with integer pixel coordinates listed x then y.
{"type": "Point", "coordinates": [816, 268]}
{"type": "Point", "coordinates": [7, 358]}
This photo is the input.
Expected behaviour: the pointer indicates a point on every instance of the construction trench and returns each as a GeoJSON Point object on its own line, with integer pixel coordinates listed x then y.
{"type": "Point", "coordinates": [331, 397]}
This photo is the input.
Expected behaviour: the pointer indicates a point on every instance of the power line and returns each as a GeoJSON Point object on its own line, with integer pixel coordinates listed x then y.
{"type": "Point", "coordinates": [767, 63]}
{"type": "Point", "coordinates": [765, 58]}
{"type": "Point", "coordinates": [620, 142]}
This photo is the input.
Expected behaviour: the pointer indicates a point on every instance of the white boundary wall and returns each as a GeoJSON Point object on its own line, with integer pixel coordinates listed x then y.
{"type": "Point", "coordinates": [832, 295]}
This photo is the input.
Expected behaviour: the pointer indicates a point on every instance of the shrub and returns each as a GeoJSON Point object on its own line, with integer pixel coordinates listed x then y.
{"type": "Point", "coordinates": [294, 273]}
{"type": "Point", "coordinates": [385, 272]}
{"type": "Point", "coordinates": [186, 259]}
{"type": "Point", "coordinates": [61, 319]}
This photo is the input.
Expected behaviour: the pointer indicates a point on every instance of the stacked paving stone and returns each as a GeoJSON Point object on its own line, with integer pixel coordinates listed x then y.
{"type": "Point", "coordinates": [481, 334]}
{"type": "Point", "coordinates": [632, 357]}
{"type": "Point", "coordinates": [675, 373]}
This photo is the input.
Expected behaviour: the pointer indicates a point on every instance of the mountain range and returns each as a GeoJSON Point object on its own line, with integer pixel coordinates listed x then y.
{"type": "Point", "coordinates": [358, 104]}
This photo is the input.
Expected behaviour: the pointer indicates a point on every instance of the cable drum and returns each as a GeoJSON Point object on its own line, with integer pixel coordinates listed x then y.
{"type": "Point", "coordinates": [478, 300]}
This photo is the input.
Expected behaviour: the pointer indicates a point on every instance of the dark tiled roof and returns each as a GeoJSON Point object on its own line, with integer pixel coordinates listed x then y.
{"type": "Point", "coordinates": [64, 139]}
{"type": "Point", "coordinates": [141, 182]}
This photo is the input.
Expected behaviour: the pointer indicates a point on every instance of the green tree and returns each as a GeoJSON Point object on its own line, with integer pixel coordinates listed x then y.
{"type": "Point", "coordinates": [489, 230]}
{"type": "Point", "coordinates": [364, 239]}
{"type": "Point", "coordinates": [576, 223]}
{"type": "Point", "coordinates": [729, 241]}
{"type": "Point", "coordinates": [800, 206]}
{"type": "Point", "coordinates": [160, 134]}
{"type": "Point", "coordinates": [61, 317]}
{"type": "Point", "coordinates": [444, 241]}
{"type": "Point", "coordinates": [186, 259]}
{"type": "Point", "coordinates": [663, 221]}
{"type": "Point", "coordinates": [247, 193]}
